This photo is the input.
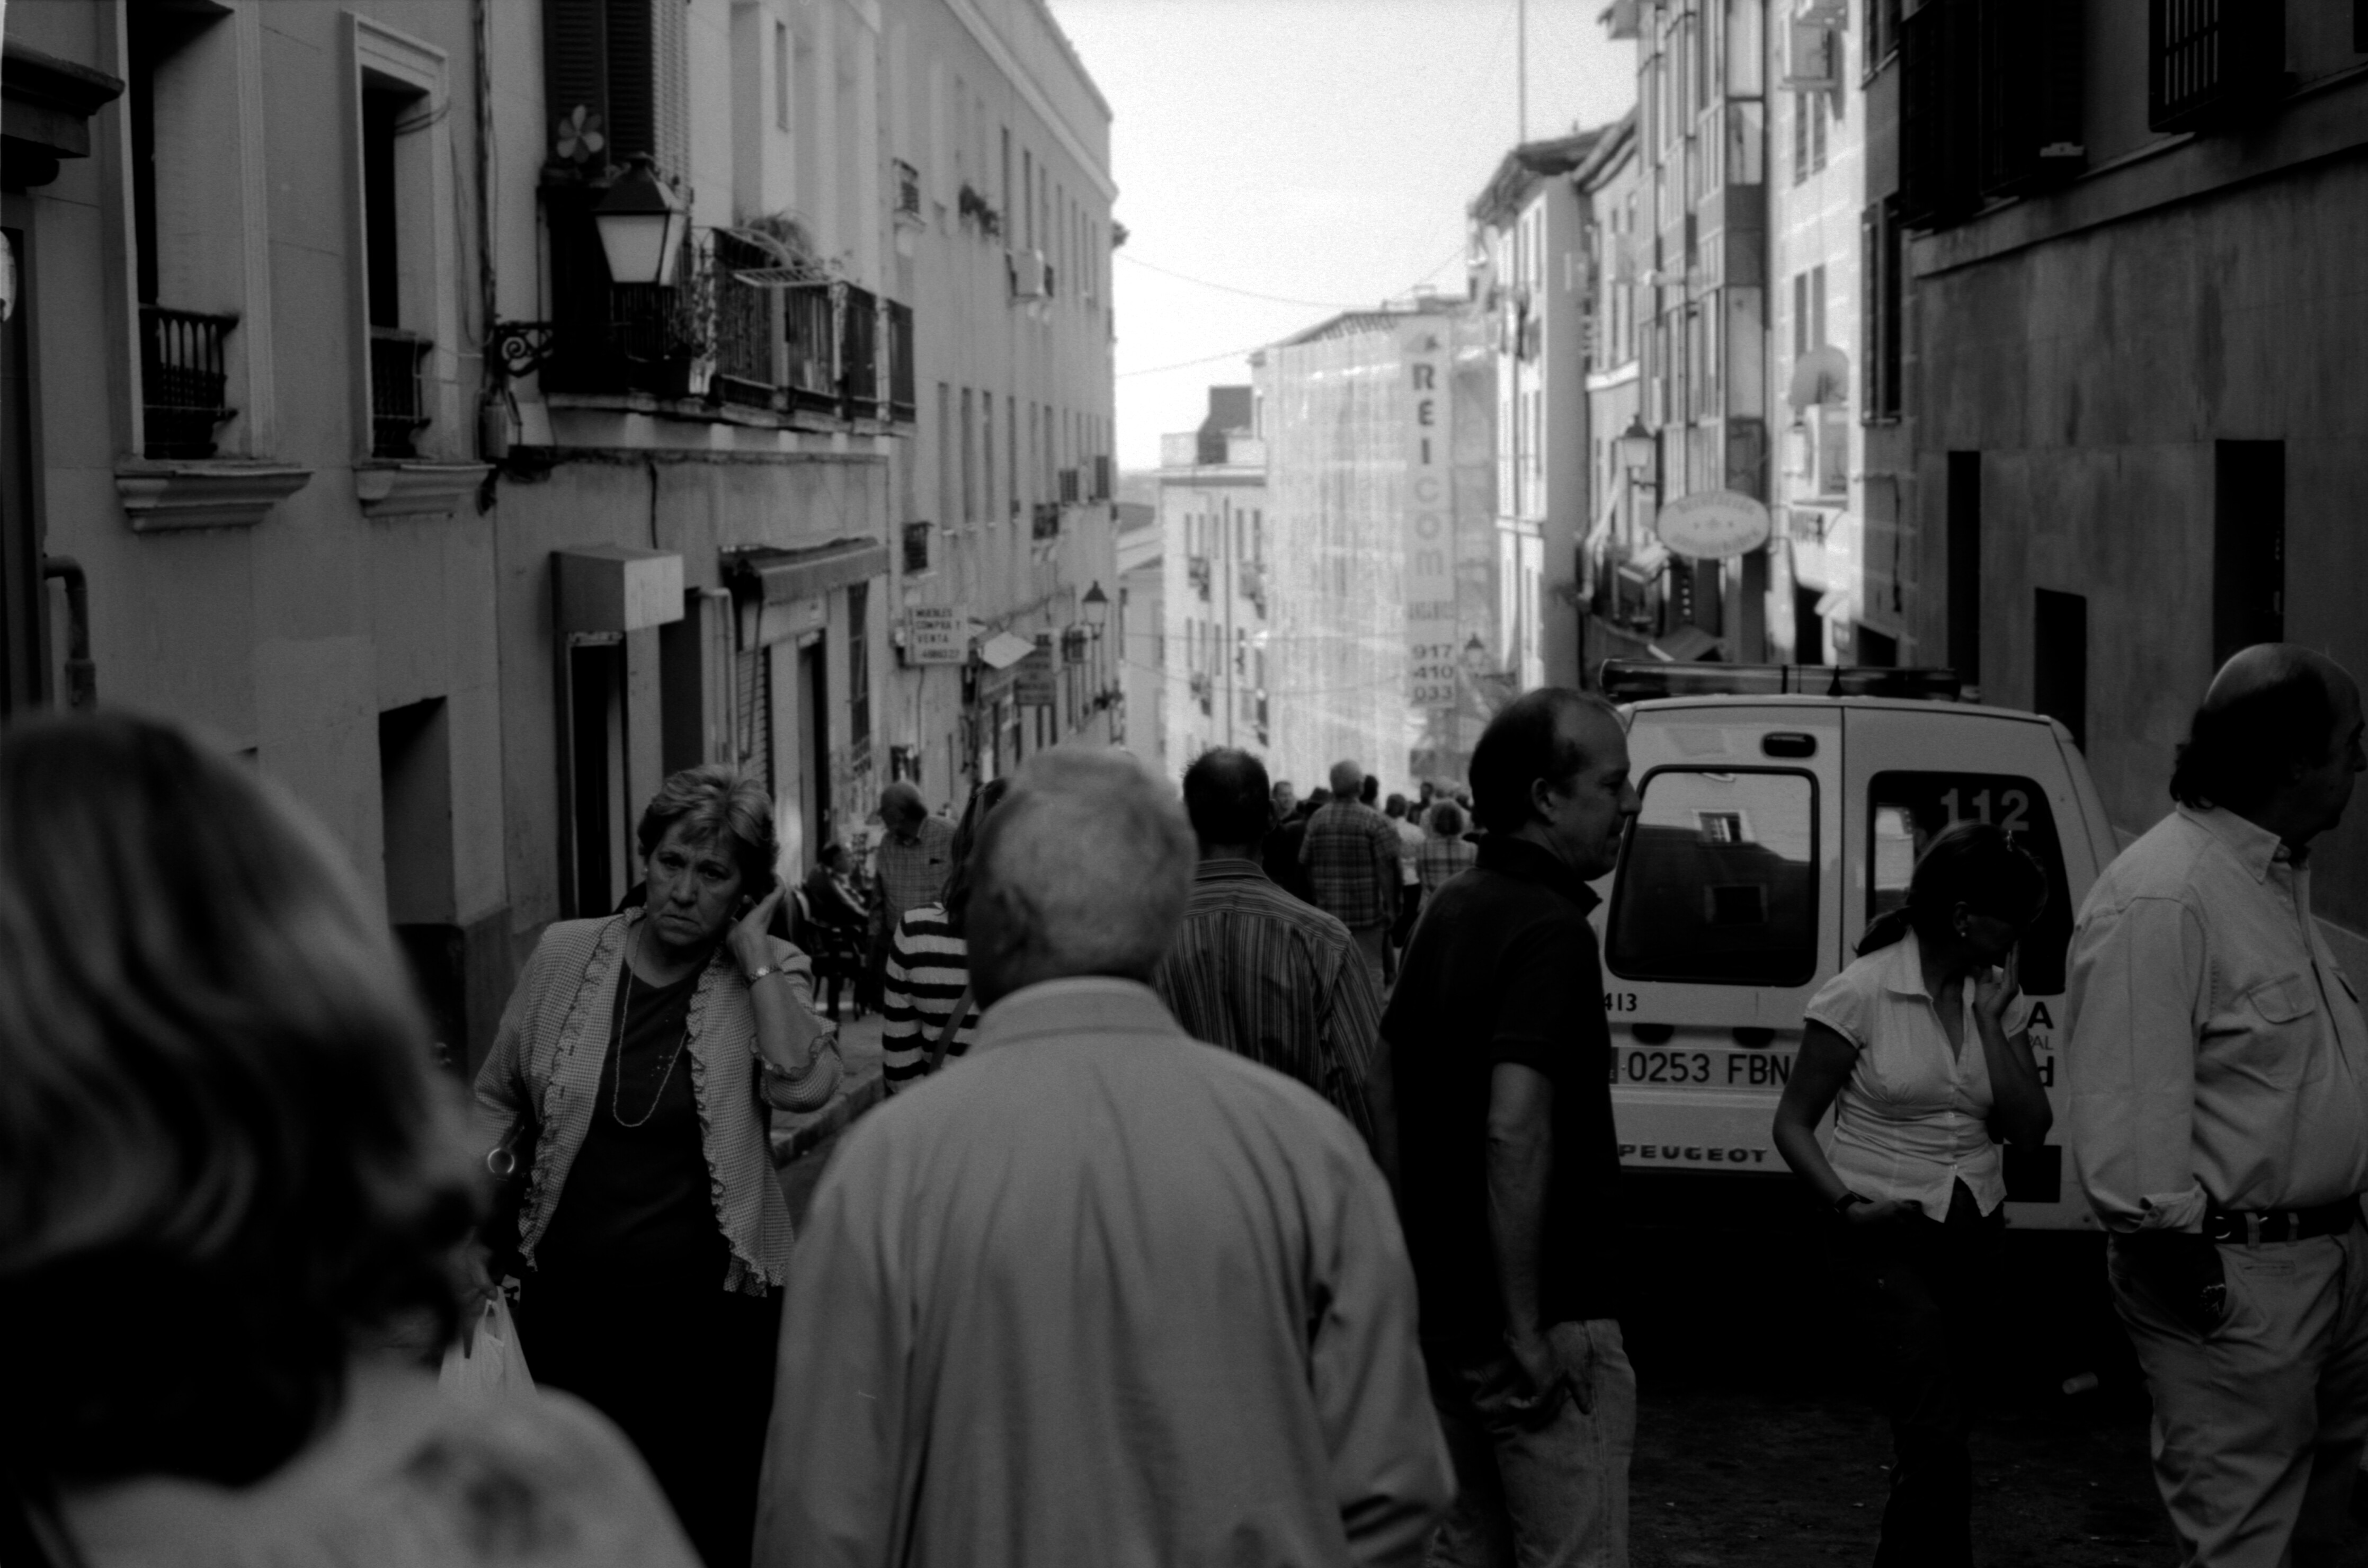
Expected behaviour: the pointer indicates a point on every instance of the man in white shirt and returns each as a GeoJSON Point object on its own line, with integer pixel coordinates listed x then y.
{"type": "Point", "coordinates": [2218, 1067]}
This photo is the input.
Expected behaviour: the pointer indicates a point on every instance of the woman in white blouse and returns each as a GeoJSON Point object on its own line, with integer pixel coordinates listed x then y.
{"type": "Point", "coordinates": [1919, 1047]}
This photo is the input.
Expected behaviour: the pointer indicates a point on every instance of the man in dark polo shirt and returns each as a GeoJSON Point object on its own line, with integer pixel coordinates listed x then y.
{"type": "Point", "coordinates": [1508, 1170]}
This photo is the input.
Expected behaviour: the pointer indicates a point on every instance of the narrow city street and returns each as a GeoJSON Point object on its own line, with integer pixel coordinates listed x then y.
{"type": "Point", "coordinates": [1761, 1441]}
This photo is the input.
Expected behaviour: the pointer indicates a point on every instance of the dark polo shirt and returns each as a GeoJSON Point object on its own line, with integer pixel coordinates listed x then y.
{"type": "Point", "coordinates": [1503, 968]}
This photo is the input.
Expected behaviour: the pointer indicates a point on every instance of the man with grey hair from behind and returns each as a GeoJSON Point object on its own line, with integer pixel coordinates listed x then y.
{"type": "Point", "coordinates": [1097, 1292]}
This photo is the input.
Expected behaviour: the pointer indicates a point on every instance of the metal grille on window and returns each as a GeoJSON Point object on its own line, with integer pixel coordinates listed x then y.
{"type": "Point", "coordinates": [752, 690]}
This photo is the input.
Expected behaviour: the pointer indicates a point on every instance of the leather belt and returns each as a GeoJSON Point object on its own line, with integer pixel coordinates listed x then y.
{"type": "Point", "coordinates": [2252, 1227]}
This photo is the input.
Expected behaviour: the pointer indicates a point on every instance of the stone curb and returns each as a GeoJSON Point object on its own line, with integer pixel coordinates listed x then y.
{"type": "Point", "coordinates": [861, 1094]}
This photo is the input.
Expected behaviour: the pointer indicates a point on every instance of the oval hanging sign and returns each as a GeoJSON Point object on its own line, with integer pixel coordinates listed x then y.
{"type": "Point", "coordinates": [1713, 524]}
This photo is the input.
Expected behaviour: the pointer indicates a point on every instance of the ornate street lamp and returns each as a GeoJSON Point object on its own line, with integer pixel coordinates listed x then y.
{"type": "Point", "coordinates": [641, 221]}
{"type": "Point", "coordinates": [1636, 449]}
{"type": "Point", "coordinates": [1096, 605]}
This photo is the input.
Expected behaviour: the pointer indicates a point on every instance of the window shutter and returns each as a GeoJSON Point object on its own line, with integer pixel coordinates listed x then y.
{"type": "Point", "coordinates": [1938, 52]}
{"type": "Point", "coordinates": [2029, 93]}
{"type": "Point", "coordinates": [2209, 61]}
{"type": "Point", "coordinates": [575, 80]}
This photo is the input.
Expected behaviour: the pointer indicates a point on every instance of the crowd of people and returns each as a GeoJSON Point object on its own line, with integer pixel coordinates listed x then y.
{"type": "Point", "coordinates": [1249, 1193]}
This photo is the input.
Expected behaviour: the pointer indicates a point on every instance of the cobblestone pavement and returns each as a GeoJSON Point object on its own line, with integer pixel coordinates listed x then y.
{"type": "Point", "coordinates": [1760, 1443]}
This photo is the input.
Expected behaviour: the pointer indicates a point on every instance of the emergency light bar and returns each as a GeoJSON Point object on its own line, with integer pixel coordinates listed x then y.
{"type": "Point", "coordinates": [1636, 680]}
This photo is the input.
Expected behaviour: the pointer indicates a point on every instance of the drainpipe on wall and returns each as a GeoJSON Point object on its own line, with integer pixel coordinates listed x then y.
{"type": "Point", "coordinates": [82, 670]}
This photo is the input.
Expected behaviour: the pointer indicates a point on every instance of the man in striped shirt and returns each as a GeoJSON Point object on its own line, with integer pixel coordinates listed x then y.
{"type": "Point", "coordinates": [1255, 971]}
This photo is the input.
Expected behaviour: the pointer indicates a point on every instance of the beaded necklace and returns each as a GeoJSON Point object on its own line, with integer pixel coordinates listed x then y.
{"type": "Point", "coordinates": [617, 1040]}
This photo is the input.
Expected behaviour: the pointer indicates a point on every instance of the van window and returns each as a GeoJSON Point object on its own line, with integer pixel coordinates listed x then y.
{"type": "Point", "coordinates": [1907, 811]}
{"type": "Point", "coordinates": [1719, 879]}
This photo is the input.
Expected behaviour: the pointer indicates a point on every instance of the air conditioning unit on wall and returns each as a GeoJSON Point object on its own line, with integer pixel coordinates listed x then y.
{"type": "Point", "coordinates": [1028, 279]}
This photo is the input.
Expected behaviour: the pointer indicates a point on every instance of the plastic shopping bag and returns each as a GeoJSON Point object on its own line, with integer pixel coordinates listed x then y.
{"type": "Point", "coordinates": [487, 1365]}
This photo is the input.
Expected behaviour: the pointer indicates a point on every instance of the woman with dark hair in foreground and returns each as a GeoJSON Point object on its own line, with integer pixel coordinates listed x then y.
{"type": "Point", "coordinates": [230, 1188]}
{"type": "Point", "coordinates": [1923, 1043]}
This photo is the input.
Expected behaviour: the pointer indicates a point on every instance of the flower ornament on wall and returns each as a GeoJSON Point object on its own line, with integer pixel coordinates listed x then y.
{"type": "Point", "coordinates": [580, 138]}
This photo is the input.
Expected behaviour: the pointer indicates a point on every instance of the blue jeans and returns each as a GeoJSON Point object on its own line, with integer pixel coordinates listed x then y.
{"type": "Point", "coordinates": [1544, 1485]}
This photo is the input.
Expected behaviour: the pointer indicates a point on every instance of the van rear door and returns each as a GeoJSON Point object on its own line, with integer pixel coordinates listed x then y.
{"type": "Point", "coordinates": [1912, 769]}
{"type": "Point", "coordinates": [1720, 925]}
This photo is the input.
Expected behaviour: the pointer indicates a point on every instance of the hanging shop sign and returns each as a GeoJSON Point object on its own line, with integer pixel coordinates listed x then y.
{"type": "Point", "coordinates": [1714, 524]}
{"type": "Point", "coordinates": [936, 634]}
{"type": "Point", "coordinates": [1036, 684]}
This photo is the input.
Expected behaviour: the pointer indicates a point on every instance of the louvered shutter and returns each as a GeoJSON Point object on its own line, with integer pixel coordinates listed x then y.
{"type": "Point", "coordinates": [648, 59]}
{"type": "Point", "coordinates": [575, 76]}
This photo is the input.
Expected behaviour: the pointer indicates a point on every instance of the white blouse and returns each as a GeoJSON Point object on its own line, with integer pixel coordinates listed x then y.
{"type": "Point", "coordinates": [1913, 1119]}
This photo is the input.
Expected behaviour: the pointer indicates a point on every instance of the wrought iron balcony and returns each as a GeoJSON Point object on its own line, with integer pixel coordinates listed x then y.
{"type": "Point", "coordinates": [1045, 520]}
{"type": "Point", "coordinates": [810, 326]}
{"type": "Point", "coordinates": [184, 387]}
{"type": "Point", "coordinates": [398, 392]}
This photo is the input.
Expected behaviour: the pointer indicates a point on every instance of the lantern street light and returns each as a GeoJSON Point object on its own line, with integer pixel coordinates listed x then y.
{"type": "Point", "coordinates": [1096, 605]}
{"type": "Point", "coordinates": [1638, 449]}
{"type": "Point", "coordinates": [641, 221]}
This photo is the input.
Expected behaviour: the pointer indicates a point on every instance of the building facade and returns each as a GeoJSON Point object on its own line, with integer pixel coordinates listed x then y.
{"type": "Point", "coordinates": [1702, 259]}
{"type": "Point", "coordinates": [1215, 582]}
{"type": "Point", "coordinates": [516, 402]}
{"type": "Point", "coordinates": [242, 479]}
{"type": "Point", "coordinates": [1140, 627]}
{"type": "Point", "coordinates": [1381, 464]}
{"type": "Point", "coordinates": [1529, 232]}
{"type": "Point", "coordinates": [1621, 574]}
{"type": "Point", "coordinates": [2137, 439]}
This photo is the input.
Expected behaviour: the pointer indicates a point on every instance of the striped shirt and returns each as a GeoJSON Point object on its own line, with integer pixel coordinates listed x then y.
{"type": "Point", "coordinates": [928, 966]}
{"type": "Point", "coordinates": [1442, 858]}
{"type": "Point", "coordinates": [1352, 856]}
{"type": "Point", "coordinates": [911, 875]}
{"type": "Point", "coordinates": [1262, 974]}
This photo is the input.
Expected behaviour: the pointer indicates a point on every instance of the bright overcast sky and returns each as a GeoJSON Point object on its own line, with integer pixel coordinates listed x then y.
{"type": "Point", "coordinates": [1321, 151]}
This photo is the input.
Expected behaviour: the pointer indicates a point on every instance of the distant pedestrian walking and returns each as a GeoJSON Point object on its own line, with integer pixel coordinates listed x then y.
{"type": "Point", "coordinates": [909, 869]}
{"type": "Point", "coordinates": [654, 1237]}
{"type": "Point", "coordinates": [1922, 1042]}
{"type": "Point", "coordinates": [927, 981]}
{"type": "Point", "coordinates": [233, 1201]}
{"type": "Point", "coordinates": [1509, 1167]}
{"type": "Point", "coordinates": [1410, 839]}
{"type": "Point", "coordinates": [2218, 1065]}
{"type": "Point", "coordinates": [1446, 853]}
{"type": "Point", "coordinates": [1351, 854]}
{"type": "Point", "coordinates": [1255, 971]}
{"type": "Point", "coordinates": [1102, 1294]}
{"type": "Point", "coordinates": [1284, 839]}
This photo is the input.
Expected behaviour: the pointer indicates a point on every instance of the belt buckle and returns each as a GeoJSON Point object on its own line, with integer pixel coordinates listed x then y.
{"type": "Point", "coordinates": [2253, 1227]}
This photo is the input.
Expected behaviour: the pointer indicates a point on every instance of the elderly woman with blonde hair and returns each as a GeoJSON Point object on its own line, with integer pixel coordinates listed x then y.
{"type": "Point", "coordinates": [637, 1058]}
{"type": "Point", "coordinates": [231, 1190]}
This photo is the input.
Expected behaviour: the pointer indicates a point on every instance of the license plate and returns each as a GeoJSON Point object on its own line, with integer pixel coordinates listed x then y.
{"type": "Point", "coordinates": [1709, 1068]}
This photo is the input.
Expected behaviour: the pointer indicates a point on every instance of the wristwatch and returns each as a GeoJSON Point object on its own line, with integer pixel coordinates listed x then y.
{"type": "Point", "coordinates": [760, 972]}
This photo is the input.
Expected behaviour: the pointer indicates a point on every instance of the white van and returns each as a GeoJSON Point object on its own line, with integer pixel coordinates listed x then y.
{"type": "Point", "coordinates": [1784, 809]}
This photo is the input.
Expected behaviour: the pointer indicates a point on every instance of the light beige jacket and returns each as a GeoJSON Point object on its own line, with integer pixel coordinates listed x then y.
{"type": "Point", "coordinates": [548, 1052]}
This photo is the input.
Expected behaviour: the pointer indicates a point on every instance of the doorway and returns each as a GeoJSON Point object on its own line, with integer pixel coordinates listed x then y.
{"type": "Point", "coordinates": [598, 857]}
{"type": "Point", "coordinates": [814, 746]}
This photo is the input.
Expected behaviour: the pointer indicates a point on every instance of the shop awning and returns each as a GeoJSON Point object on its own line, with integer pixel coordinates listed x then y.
{"type": "Point", "coordinates": [782, 575]}
{"type": "Point", "coordinates": [1003, 650]}
{"type": "Point", "coordinates": [1687, 645]}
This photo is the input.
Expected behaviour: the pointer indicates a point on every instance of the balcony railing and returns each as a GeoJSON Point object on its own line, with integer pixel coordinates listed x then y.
{"type": "Point", "coordinates": [917, 548]}
{"type": "Point", "coordinates": [746, 368]}
{"type": "Point", "coordinates": [398, 392]}
{"type": "Point", "coordinates": [1044, 521]}
{"type": "Point", "coordinates": [184, 386]}
{"type": "Point", "coordinates": [810, 326]}
{"type": "Point", "coordinates": [903, 398]}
